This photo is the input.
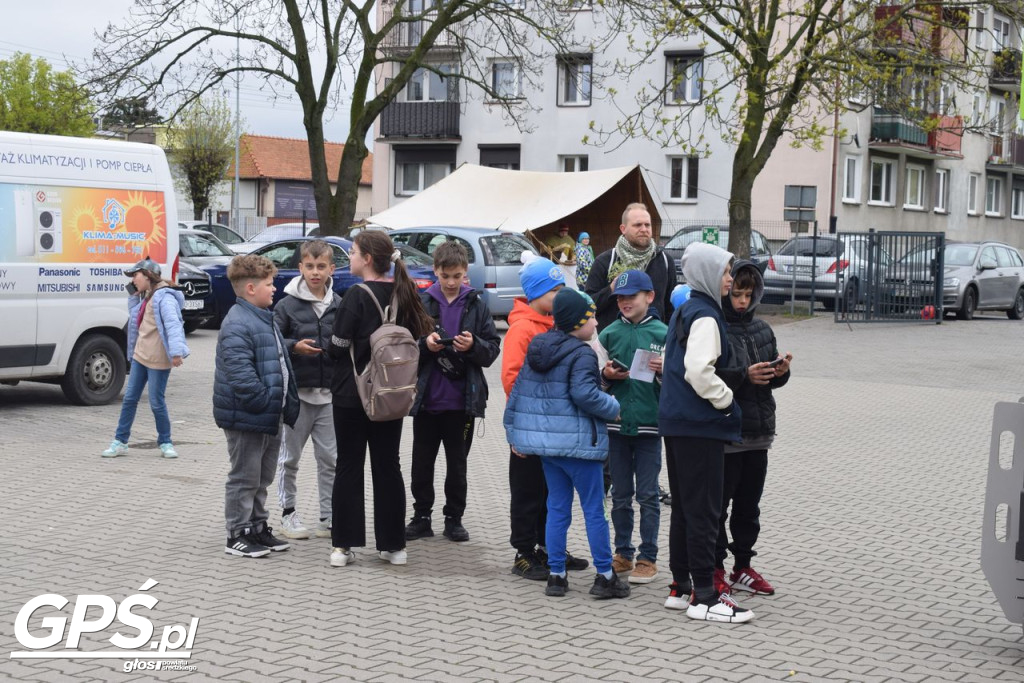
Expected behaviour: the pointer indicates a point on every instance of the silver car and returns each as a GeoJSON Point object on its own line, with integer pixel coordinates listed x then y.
{"type": "Point", "coordinates": [983, 276]}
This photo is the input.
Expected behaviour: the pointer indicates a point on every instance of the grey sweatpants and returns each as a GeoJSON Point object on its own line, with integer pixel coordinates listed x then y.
{"type": "Point", "coordinates": [253, 460]}
{"type": "Point", "coordinates": [315, 421]}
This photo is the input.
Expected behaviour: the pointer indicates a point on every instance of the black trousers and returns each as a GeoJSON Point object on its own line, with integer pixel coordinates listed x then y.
{"type": "Point", "coordinates": [453, 428]}
{"type": "Point", "coordinates": [355, 432]}
{"type": "Point", "coordinates": [695, 471]}
{"type": "Point", "coordinates": [743, 485]}
{"type": "Point", "coordinates": [528, 507]}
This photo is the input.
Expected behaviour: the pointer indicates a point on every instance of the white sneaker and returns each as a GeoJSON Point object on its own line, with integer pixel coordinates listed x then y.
{"type": "Point", "coordinates": [292, 526]}
{"type": "Point", "coordinates": [678, 598]}
{"type": "Point", "coordinates": [725, 610]}
{"type": "Point", "coordinates": [116, 448]}
{"type": "Point", "coordinates": [341, 557]}
{"type": "Point", "coordinates": [394, 556]}
{"type": "Point", "coordinates": [322, 529]}
{"type": "Point", "coordinates": [168, 450]}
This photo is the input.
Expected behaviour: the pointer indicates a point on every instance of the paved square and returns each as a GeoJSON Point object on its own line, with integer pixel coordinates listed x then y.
{"type": "Point", "coordinates": [871, 533]}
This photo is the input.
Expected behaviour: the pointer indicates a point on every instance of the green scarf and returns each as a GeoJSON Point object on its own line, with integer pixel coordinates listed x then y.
{"type": "Point", "coordinates": [628, 257]}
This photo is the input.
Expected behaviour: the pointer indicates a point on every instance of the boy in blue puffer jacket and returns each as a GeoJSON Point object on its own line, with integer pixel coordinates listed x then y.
{"type": "Point", "coordinates": [253, 390]}
{"type": "Point", "coordinates": [557, 411]}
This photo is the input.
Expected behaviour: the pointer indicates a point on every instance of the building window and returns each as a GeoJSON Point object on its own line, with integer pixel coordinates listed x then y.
{"type": "Point", "coordinates": [1001, 33]}
{"type": "Point", "coordinates": [506, 79]}
{"type": "Point", "coordinates": [993, 196]}
{"type": "Point", "coordinates": [682, 184]}
{"type": "Point", "coordinates": [977, 109]}
{"type": "Point", "coordinates": [1017, 207]}
{"type": "Point", "coordinates": [913, 196]}
{"type": "Point", "coordinates": [574, 80]}
{"type": "Point", "coordinates": [941, 190]}
{"type": "Point", "coordinates": [427, 86]}
{"type": "Point", "coordinates": [416, 177]}
{"type": "Point", "coordinates": [998, 109]}
{"type": "Point", "coordinates": [575, 164]}
{"type": "Point", "coordinates": [580, 6]}
{"type": "Point", "coordinates": [972, 194]}
{"type": "Point", "coordinates": [881, 182]}
{"type": "Point", "coordinates": [851, 180]}
{"type": "Point", "coordinates": [979, 29]}
{"type": "Point", "coordinates": [684, 78]}
{"type": "Point", "coordinates": [500, 156]}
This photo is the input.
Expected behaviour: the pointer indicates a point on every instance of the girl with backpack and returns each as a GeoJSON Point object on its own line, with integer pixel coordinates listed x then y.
{"type": "Point", "coordinates": [373, 257]}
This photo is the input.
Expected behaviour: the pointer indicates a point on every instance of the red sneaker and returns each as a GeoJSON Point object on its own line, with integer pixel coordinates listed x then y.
{"type": "Point", "coordinates": [749, 580]}
{"type": "Point", "coordinates": [721, 585]}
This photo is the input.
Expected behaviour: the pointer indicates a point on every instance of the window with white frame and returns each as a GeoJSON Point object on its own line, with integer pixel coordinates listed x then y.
{"type": "Point", "coordinates": [427, 86]}
{"type": "Point", "coordinates": [972, 194]}
{"type": "Point", "coordinates": [882, 182]}
{"type": "Point", "coordinates": [998, 112]}
{"type": "Point", "coordinates": [684, 78]}
{"type": "Point", "coordinates": [941, 190]}
{"type": "Point", "coordinates": [1017, 205]}
{"type": "Point", "coordinates": [1001, 33]}
{"type": "Point", "coordinates": [945, 99]}
{"type": "Point", "coordinates": [506, 78]}
{"type": "Point", "coordinates": [851, 179]}
{"type": "Point", "coordinates": [913, 195]}
{"type": "Point", "coordinates": [575, 163]}
{"type": "Point", "coordinates": [979, 29]}
{"type": "Point", "coordinates": [580, 5]}
{"type": "Point", "coordinates": [682, 172]}
{"type": "Point", "coordinates": [411, 178]}
{"type": "Point", "coordinates": [574, 80]}
{"type": "Point", "coordinates": [993, 196]}
{"type": "Point", "coordinates": [977, 109]}
{"type": "Point", "coordinates": [919, 94]}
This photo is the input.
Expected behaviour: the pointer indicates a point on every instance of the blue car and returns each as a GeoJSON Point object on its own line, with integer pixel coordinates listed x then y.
{"type": "Point", "coordinates": [285, 255]}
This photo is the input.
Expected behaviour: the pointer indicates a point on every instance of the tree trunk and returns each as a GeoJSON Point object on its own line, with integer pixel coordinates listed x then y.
{"type": "Point", "coordinates": [740, 193]}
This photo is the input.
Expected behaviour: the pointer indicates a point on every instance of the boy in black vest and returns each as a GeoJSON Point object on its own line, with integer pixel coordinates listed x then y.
{"type": "Point", "coordinates": [451, 392]}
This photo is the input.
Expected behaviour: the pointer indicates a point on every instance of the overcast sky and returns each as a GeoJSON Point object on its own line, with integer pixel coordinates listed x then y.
{"type": "Point", "coordinates": [62, 31]}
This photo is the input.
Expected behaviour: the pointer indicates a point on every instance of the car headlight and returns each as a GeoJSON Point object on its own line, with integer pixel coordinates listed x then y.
{"type": "Point", "coordinates": [951, 282]}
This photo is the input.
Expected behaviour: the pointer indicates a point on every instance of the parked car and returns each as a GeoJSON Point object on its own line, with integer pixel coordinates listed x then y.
{"type": "Point", "coordinates": [222, 232]}
{"type": "Point", "coordinates": [199, 306]}
{"type": "Point", "coordinates": [202, 248]}
{"type": "Point", "coordinates": [760, 252]}
{"type": "Point", "coordinates": [281, 231]}
{"type": "Point", "coordinates": [983, 276]}
{"type": "Point", "coordinates": [285, 255]}
{"type": "Point", "coordinates": [837, 269]}
{"type": "Point", "coordinates": [494, 259]}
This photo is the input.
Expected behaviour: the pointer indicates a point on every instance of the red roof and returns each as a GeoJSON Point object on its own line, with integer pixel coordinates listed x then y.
{"type": "Point", "coordinates": [276, 158]}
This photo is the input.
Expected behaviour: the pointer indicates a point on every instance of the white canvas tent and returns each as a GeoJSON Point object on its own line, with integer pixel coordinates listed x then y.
{"type": "Point", "coordinates": [528, 202]}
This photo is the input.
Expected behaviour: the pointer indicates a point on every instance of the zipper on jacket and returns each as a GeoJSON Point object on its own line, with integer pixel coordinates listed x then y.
{"type": "Point", "coordinates": [593, 432]}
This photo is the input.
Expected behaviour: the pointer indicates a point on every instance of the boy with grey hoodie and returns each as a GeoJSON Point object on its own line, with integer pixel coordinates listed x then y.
{"type": "Point", "coordinates": [306, 318]}
{"type": "Point", "coordinates": [698, 416]}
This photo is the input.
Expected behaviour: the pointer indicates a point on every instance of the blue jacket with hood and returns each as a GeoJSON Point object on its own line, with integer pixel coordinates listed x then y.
{"type": "Point", "coordinates": [166, 303]}
{"type": "Point", "coordinates": [556, 407]}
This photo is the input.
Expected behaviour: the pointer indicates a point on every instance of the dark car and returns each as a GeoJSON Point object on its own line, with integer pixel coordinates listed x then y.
{"type": "Point", "coordinates": [760, 252]}
{"type": "Point", "coordinates": [285, 255]}
{"type": "Point", "coordinates": [199, 306]}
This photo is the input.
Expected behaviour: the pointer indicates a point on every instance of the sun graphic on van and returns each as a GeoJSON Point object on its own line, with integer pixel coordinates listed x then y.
{"type": "Point", "coordinates": [145, 214]}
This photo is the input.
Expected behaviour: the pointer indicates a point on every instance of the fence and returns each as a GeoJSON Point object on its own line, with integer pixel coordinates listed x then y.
{"type": "Point", "coordinates": [776, 232]}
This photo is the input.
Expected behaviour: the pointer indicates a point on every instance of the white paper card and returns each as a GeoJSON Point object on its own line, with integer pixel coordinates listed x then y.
{"type": "Point", "coordinates": [640, 369]}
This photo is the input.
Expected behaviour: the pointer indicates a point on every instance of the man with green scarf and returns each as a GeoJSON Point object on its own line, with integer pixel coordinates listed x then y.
{"type": "Point", "coordinates": [635, 250]}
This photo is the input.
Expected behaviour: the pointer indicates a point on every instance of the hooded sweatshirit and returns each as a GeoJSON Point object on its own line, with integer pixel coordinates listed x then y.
{"type": "Point", "coordinates": [695, 399]}
{"type": "Point", "coordinates": [303, 315]}
{"type": "Point", "coordinates": [524, 324]}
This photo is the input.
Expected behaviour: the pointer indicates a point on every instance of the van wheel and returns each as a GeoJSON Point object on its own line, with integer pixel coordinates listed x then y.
{"type": "Point", "coordinates": [95, 372]}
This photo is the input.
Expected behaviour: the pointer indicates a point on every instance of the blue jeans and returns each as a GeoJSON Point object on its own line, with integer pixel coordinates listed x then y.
{"type": "Point", "coordinates": [137, 379]}
{"type": "Point", "coordinates": [587, 477]}
{"type": "Point", "coordinates": [638, 456]}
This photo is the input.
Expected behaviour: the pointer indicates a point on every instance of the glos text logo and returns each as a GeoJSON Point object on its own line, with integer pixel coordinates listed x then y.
{"type": "Point", "coordinates": [174, 643]}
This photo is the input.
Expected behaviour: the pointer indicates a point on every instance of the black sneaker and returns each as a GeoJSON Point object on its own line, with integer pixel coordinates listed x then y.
{"type": "Point", "coordinates": [266, 538]}
{"type": "Point", "coordinates": [418, 527]}
{"type": "Point", "coordinates": [453, 530]}
{"type": "Point", "coordinates": [557, 586]}
{"type": "Point", "coordinates": [609, 588]}
{"type": "Point", "coordinates": [245, 545]}
{"type": "Point", "coordinates": [573, 564]}
{"type": "Point", "coordinates": [664, 496]}
{"type": "Point", "coordinates": [530, 566]}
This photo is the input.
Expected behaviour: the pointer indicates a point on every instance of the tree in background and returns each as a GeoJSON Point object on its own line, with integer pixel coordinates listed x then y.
{"type": "Point", "coordinates": [201, 144]}
{"type": "Point", "coordinates": [179, 51]}
{"type": "Point", "coordinates": [36, 99]}
{"type": "Point", "coordinates": [131, 112]}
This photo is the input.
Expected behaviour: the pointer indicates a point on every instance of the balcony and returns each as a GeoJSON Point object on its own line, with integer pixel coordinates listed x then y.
{"type": "Point", "coordinates": [1005, 71]}
{"type": "Point", "coordinates": [1006, 151]}
{"type": "Point", "coordinates": [909, 31]}
{"type": "Point", "coordinates": [405, 37]}
{"type": "Point", "coordinates": [421, 120]}
{"type": "Point", "coordinates": [897, 133]}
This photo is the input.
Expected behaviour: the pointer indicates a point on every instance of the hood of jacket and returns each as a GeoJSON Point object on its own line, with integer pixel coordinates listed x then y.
{"type": "Point", "coordinates": [551, 348]}
{"type": "Point", "coordinates": [521, 311]}
{"type": "Point", "coordinates": [167, 290]}
{"type": "Point", "coordinates": [703, 266]}
{"type": "Point", "coordinates": [730, 313]}
{"type": "Point", "coordinates": [300, 290]}
{"type": "Point", "coordinates": [434, 291]}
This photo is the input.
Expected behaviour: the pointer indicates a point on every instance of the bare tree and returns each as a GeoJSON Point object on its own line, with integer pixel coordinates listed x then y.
{"type": "Point", "coordinates": [180, 50]}
{"type": "Point", "coordinates": [201, 143]}
{"type": "Point", "coordinates": [773, 68]}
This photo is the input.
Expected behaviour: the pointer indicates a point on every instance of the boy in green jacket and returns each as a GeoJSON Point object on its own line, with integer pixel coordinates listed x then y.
{"type": "Point", "coordinates": [634, 451]}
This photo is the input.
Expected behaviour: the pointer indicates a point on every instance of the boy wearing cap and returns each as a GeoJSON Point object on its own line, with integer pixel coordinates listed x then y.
{"type": "Point", "coordinates": [530, 316]}
{"type": "Point", "coordinates": [634, 447]}
{"type": "Point", "coordinates": [156, 343]}
{"type": "Point", "coordinates": [557, 411]}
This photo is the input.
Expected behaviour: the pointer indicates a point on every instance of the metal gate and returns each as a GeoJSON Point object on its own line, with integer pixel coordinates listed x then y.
{"type": "Point", "coordinates": [888, 276]}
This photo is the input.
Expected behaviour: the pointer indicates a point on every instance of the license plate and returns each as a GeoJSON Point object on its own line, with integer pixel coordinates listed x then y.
{"type": "Point", "coordinates": [801, 270]}
{"type": "Point", "coordinates": [193, 304]}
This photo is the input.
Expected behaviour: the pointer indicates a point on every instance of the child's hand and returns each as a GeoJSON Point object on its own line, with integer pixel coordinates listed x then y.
{"type": "Point", "coordinates": [783, 367]}
{"type": "Point", "coordinates": [464, 341]}
{"type": "Point", "coordinates": [432, 344]}
{"type": "Point", "coordinates": [609, 371]}
{"type": "Point", "coordinates": [655, 364]}
{"type": "Point", "coordinates": [515, 452]}
{"type": "Point", "coordinates": [760, 373]}
{"type": "Point", "coordinates": [307, 347]}
{"type": "Point", "coordinates": [177, 361]}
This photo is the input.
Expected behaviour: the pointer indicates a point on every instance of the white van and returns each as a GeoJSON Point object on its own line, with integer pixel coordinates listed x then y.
{"type": "Point", "coordinates": [74, 213]}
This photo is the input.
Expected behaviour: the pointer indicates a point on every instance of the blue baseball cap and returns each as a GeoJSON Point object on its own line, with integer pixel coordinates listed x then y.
{"type": "Point", "coordinates": [540, 276]}
{"type": "Point", "coordinates": [633, 281]}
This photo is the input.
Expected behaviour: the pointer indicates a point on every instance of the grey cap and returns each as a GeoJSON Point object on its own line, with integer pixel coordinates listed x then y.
{"type": "Point", "coordinates": [150, 267]}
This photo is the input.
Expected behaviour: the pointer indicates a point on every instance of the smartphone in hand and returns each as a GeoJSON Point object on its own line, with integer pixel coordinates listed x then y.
{"type": "Point", "coordinates": [132, 289]}
{"type": "Point", "coordinates": [619, 365]}
{"type": "Point", "coordinates": [776, 363]}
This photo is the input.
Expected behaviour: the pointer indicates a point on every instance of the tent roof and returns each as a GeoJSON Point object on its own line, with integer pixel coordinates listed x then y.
{"type": "Point", "coordinates": [514, 201]}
